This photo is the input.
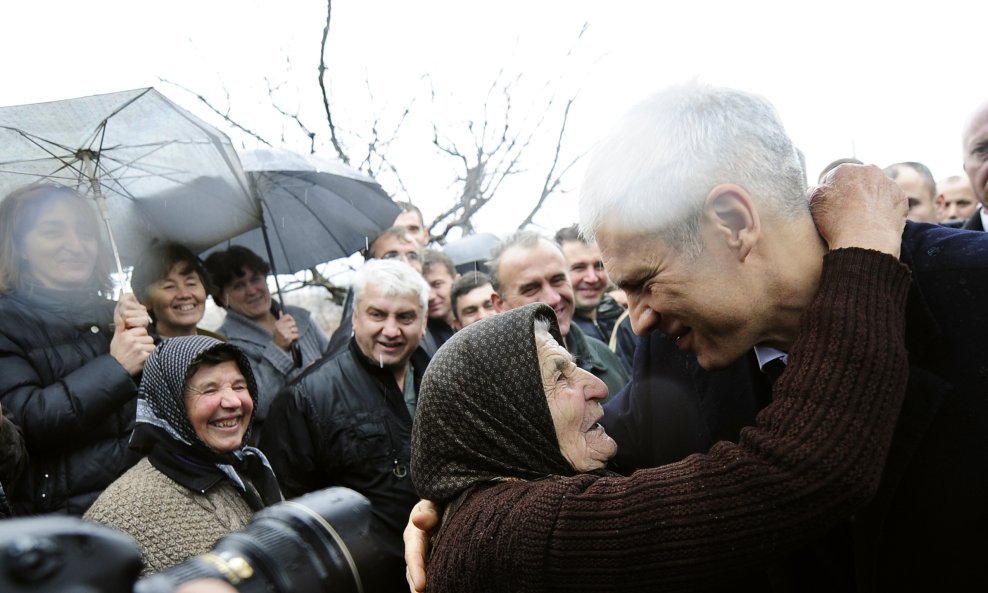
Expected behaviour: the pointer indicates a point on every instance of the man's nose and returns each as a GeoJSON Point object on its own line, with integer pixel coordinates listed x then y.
{"type": "Point", "coordinates": [551, 297]}
{"type": "Point", "coordinates": [391, 327]}
{"type": "Point", "coordinates": [643, 318]}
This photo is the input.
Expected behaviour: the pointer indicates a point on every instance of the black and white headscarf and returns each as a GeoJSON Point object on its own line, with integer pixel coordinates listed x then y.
{"type": "Point", "coordinates": [164, 433]}
{"type": "Point", "coordinates": [482, 413]}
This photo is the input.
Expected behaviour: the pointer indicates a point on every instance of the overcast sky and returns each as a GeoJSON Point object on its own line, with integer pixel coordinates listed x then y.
{"type": "Point", "coordinates": [886, 81]}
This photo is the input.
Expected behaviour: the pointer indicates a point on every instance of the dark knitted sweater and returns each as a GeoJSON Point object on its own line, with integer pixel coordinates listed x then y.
{"type": "Point", "coordinates": [814, 456]}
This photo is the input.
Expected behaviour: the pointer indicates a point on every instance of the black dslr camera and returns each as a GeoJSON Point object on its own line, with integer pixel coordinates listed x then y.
{"type": "Point", "coordinates": [319, 542]}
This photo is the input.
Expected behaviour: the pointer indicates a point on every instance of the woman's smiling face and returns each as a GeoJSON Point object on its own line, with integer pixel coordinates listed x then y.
{"type": "Point", "coordinates": [574, 397]}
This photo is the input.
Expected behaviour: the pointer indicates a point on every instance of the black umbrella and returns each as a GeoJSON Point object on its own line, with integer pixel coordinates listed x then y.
{"type": "Point", "coordinates": [314, 211]}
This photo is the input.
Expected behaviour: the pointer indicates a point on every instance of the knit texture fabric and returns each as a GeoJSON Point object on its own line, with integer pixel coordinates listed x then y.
{"type": "Point", "coordinates": [169, 522]}
{"type": "Point", "coordinates": [482, 412]}
{"type": "Point", "coordinates": [814, 456]}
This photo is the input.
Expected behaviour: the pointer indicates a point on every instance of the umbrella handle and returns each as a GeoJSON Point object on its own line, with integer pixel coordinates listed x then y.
{"type": "Point", "coordinates": [296, 354]}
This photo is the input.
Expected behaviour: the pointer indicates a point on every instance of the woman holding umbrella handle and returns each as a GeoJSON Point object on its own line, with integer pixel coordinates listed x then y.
{"type": "Point", "coordinates": [261, 328]}
{"type": "Point", "coordinates": [68, 355]}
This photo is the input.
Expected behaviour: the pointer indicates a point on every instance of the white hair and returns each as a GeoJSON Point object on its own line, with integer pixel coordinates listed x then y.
{"type": "Point", "coordinates": [654, 171]}
{"type": "Point", "coordinates": [391, 278]}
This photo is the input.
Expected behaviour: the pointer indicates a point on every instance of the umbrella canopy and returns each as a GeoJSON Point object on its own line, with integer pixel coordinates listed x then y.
{"type": "Point", "coordinates": [471, 252]}
{"type": "Point", "coordinates": [315, 210]}
{"type": "Point", "coordinates": [156, 170]}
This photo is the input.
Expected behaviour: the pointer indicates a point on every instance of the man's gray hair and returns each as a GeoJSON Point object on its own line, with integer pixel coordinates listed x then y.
{"type": "Point", "coordinates": [656, 168]}
{"type": "Point", "coordinates": [526, 239]}
{"type": "Point", "coordinates": [391, 278]}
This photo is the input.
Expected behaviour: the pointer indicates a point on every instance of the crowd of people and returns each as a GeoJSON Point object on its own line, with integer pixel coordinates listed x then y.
{"type": "Point", "coordinates": [709, 382]}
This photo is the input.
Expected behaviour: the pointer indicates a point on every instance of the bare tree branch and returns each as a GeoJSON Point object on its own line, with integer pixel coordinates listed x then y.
{"type": "Point", "coordinates": [294, 116]}
{"type": "Point", "coordinates": [322, 87]}
{"type": "Point", "coordinates": [225, 115]}
{"type": "Point", "coordinates": [552, 183]}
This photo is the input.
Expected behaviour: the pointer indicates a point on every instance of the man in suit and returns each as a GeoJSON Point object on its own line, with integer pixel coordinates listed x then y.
{"type": "Point", "coordinates": [976, 165]}
{"type": "Point", "coordinates": [721, 257]}
{"type": "Point", "coordinates": [698, 202]}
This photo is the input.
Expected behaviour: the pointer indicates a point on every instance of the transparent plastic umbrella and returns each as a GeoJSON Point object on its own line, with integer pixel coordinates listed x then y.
{"type": "Point", "coordinates": [155, 170]}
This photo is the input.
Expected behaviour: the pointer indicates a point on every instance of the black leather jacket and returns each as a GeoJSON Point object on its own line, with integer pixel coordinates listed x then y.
{"type": "Point", "coordinates": [344, 422]}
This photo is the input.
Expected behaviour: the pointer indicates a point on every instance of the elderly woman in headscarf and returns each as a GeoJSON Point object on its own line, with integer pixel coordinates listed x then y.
{"type": "Point", "coordinates": [507, 438]}
{"type": "Point", "coordinates": [199, 480]}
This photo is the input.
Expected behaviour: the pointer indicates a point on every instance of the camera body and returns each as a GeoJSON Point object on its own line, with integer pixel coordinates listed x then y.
{"type": "Point", "coordinates": [318, 542]}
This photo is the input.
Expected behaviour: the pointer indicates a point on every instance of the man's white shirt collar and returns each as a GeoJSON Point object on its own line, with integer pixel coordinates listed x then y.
{"type": "Point", "coordinates": [766, 354]}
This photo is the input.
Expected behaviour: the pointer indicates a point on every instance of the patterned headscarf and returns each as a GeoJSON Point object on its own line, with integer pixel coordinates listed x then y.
{"type": "Point", "coordinates": [482, 412]}
{"type": "Point", "coordinates": [163, 426]}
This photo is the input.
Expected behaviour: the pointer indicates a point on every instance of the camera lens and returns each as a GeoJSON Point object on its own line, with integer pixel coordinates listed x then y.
{"type": "Point", "coordinates": [317, 542]}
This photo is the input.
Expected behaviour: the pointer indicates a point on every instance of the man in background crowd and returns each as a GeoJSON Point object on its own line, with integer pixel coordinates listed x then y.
{"type": "Point", "coordinates": [975, 141]}
{"type": "Point", "coordinates": [529, 268]}
{"type": "Point", "coordinates": [956, 201]}
{"type": "Point", "coordinates": [917, 181]}
{"type": "Point", "coordinates": [472, 298]}
{"type": "Point", "coordinates": [439, 273]}
{"type": "Point", "coordinates": [411, 220]}
{"type": "Point", "coordinates": [596, 311]}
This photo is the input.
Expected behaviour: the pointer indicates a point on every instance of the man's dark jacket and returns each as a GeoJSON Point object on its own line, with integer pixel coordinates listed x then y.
{"type": "Point", "coordinates": [595, 357]}
{"type": "Point", "coordinates": [974, 222]}
{"type": "Point", "coordinates": [601, 328]}
{"type": "Point", "coordinates": [344, 422]}
{"type": "Point", "coordinates": [925, 529]}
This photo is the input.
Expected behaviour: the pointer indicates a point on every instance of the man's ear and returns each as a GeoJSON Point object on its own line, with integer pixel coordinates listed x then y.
{"type": "Point", "coordinates": [498, 302]}
{"type": "Point", "coordinates": [731, 216]}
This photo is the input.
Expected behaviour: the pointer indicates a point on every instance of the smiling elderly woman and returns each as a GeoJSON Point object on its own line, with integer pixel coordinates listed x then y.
{"type": "Point", "coordinates": [199, 480]}
{"type": "Point", "coordinates": [506, 437]}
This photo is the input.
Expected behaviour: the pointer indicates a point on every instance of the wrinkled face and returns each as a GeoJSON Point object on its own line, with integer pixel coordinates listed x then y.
{"type": "Point", "coordinates": [475, 305]}
{"type": "Point", "coordinates": [440, 284]}
{"type": "Point", "coordinates": [411, 222]}
{"type": "Point", "coordinates": [248, 295]}
{"type": "Point", "coordinates": [177, 301]}
{"type": "Point", "coordinates": [60, 250]}
{"type": "Point", "coordinates": [219, 405]}
{"type": "Point", "coordinates": [388, 329]}
{"type": "Point", "coordinates": [536, 275]}
{"type": "Point", "coordinates": [921, 196]}
{"type": "Point", "coordinates": [392, 247]}
{"type": "Point", "coordinates": [956, 201]}
{"type": "Point", "coordinates": [574, 396]}
{"type": "Point", "coordinates": [703, 303]}
{"type": "Point", "coordinates": [976, 155]}
{"type": "Point", "coordinates": [586, 273]}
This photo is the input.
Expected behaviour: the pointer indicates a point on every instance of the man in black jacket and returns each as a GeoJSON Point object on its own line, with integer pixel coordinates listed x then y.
{"type": "Point", "coordinates": [347, 420]}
